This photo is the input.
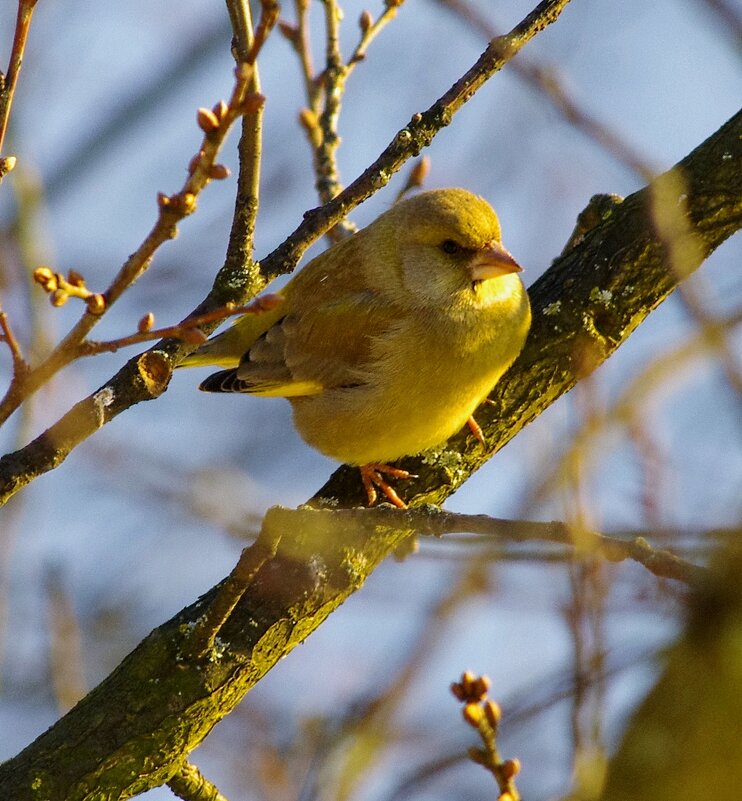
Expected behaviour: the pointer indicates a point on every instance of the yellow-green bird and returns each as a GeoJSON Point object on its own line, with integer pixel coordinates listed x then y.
{"type": "Point", "coordinates": [387, 342]}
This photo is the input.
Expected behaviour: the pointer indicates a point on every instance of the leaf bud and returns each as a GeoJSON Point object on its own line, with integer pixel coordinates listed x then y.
{"type": "Point", "coordinates": [493, 713]}
{"type": "Point", "coordinates": [208, 122]}
{"type": "Point", "coordinates": [473, 714]}
{"type": "Point", "coordinates": [46, 278]}
{"type": "Point", "coordinates": [96, 303]}
{"type": "Point", "coordinates": [146, 323]}
{"type": "Point", "coordinates": [219, 172]}
{"type": "Point", "coordinates": [220, 110]}
{"type": "Point", "coordinates": [510, 768]}
{"type": "Point", "coordinates": [480, 685]}
{"type": "Point", "coordinates": [458, 691]}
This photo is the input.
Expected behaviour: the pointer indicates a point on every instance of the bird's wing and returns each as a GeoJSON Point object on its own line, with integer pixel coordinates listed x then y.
{"type": "Point", "coordinates": [327, 346]}
{"type": "Point", "coordinates": [226, 349]}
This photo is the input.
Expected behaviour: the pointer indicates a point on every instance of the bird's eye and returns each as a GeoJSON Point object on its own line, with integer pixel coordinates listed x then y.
{"type": "Point", "coordinates": [450, 247]}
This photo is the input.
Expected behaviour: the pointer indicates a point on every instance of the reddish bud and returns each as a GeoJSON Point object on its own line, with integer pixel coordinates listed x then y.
{"type": "Point", "coordinates": [420, 171]}
{"type": "Point", "coordinates": [480, 685]}
{"type": "Point", "coordinates": [467, 680]}
{"type": "Point", "coordinates": [219, 172]}
{"type": "Point", "coordinates": [194, 336]}
{"type": "Point", "coordinates": [208, 122]}
{"type": "Point", "coordinates": [46, 278]}
{"type": "Point", "coordinates": [365, 21]}
{"type": "Point", "coordinates": [510, 768]}
{"type": "Point", "coordinates": [75, 278]}
{"type": "Point", "coordinates": [59, 297]}
{"type": "Point", "coordinates": [458, 691]}
{"type": "Point", "coordinates": [146, 323]}
{"type": "Point", "coordinates": [220, 110]}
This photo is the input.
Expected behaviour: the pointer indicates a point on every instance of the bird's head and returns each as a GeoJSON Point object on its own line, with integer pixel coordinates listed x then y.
{"type": "Point", "coordinates": [447, 250]}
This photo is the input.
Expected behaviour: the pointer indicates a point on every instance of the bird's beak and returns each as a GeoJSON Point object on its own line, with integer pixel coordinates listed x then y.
{"type": "Point", "coordinates": [492, 261]}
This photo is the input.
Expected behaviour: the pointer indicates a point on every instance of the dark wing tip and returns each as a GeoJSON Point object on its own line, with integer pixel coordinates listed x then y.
{"type": "Point", "coordinates": [224, 381]}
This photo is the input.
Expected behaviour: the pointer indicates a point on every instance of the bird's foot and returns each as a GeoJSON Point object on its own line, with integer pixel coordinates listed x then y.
{"type": "Point", "coordinates": [372, 476]}
{"type": "Point", "coordinates": [476, 430]}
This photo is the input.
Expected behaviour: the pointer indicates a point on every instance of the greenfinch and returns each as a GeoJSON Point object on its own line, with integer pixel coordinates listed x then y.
{"type": "Point", "coordinates": [387, 342]}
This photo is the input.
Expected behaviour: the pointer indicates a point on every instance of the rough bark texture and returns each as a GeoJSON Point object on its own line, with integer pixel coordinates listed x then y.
{"type": "Point", "coordinates": [134, 731]}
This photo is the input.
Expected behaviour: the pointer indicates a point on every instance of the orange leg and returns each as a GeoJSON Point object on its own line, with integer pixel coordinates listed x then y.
{"type": "Point", "coordinates": [476, 430]}
{"type": "Point", "coordinates": [372, 477]}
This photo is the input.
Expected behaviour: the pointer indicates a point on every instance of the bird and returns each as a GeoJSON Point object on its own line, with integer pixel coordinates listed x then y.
{"type": "Point", "coordinates": [387, 342]}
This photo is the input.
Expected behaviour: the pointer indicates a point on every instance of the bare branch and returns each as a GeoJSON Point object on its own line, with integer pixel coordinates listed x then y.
{"type": "Point", "coordinates": [147, 376]}
{"type": "Point", "coordinates": [9, 81]}
{"type": "Point", "coordinates": [172, 209]}
{"type": "Point", "coordinates": [545, 80]}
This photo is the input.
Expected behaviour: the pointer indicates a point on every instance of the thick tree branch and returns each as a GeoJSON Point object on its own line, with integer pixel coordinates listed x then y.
{"type": "Point", "coordinates": [134, 731]}
{"type": "Point", "coordinates": [584, 307]}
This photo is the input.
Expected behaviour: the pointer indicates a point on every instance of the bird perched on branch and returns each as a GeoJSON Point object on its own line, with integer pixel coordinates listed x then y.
{"type": "Point", "coordinates": [387, 342]}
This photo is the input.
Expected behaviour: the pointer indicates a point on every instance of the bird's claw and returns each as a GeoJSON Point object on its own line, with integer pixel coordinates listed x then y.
{"type": "Point", "coordinates": [372, 476]}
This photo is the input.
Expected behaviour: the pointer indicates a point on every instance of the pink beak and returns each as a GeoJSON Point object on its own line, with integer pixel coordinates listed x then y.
{"type": "Point", "coordinates": [492, 261]}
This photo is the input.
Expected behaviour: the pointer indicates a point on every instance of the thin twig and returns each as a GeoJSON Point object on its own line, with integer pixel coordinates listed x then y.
{"type": "Point", "coordinates": [191, 785]}
{"type": "Point", "coordinates": [408, 142]}
{"type": "Point", "coordinates": [239, 267]}
{"type": "Point", "coordinates": [729, 15]}
{"type": "Point", "coordinates": [9, 81]}
{"type": "Point", "coordinates": [335, 78]}
{"type": "Point", "coordinates": [300, 42]}
{"type": "Point", "coordinates": [184, 330]}
{"type": "Point", "coordinates": [371, 32]}
{"type": "Point", "coordinates": [433, 521]}
{"type": "Point", "coordinates": [328, 184]}
{"type": "Point", "coordinates": [20, 365]}
{"type": "Point", "coordinates": [172, 209]}
{"type": "Point", "coordinates": [546, 81]}
{"type": "Point", "coordinates": [320, 121]}
{"type": "Point", "coordinates": [266, 23]}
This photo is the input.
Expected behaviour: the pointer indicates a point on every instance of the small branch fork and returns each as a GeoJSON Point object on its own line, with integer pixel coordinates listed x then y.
{"type": "Point", "coordinates": [130, 385]}
{"type": "Point", "coordinates": [191, 785]}
{"type": "Point", "coordinates": [188, 330]}
{"type": "Point", "coordinates": [325, 91]}
{"type": "Point", "coordinates": [252, 558]}
{"type": "Point", "coordinates": [215, 124]}
{"type": "Point", "coordinates": [433, 521]}
{"type": "Point", "coordinates": [546, 80]}
{"type": "Point", "coordinates": [408, 142]}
